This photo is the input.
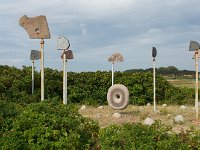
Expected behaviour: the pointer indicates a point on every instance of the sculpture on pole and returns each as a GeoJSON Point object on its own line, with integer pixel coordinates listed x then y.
{"type": "Point", "coordinates": [37, 28]}
{"type": "Point", "coordinates": [154, 54]}
{"type": "Point", "coordinates": [117, 57]}
{"type": "Point", "coordinates": [35, 55]}
{"type": "Point", "coordinates": [63, 44]}
{"type": "Point", "coordinates": [195, 46]}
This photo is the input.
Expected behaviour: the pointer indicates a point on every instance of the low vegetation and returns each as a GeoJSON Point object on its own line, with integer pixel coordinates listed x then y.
{"type": "Point", "coordinates": [27, 123]}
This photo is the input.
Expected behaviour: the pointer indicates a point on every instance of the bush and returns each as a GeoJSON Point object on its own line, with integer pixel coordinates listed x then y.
{"type": "Point", "coordinates": [51, 125]}
{"type": "Point", "coordinates": [88, 87]}
{"type": "Point", "coordinates": [138, 137]}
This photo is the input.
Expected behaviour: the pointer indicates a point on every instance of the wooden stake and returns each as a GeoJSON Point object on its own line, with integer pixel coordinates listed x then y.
{"type": "Point", "coordinates": [196, 84]}
{"type": "Point", "coordinates": [42, 68]}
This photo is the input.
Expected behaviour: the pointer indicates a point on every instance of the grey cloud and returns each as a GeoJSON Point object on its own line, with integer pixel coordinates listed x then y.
{"type": "Point", "coordinates": [130, 26]}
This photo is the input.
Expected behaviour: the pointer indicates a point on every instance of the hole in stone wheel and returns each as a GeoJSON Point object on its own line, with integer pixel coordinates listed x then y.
{"type": "Point", "coordinates": [117, 96]}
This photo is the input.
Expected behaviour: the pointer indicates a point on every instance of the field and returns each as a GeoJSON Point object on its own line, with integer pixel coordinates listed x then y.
{"type": "Point", "coordinates": [137, 114]}
{"type": "Point", "coordinates": [183, 82]}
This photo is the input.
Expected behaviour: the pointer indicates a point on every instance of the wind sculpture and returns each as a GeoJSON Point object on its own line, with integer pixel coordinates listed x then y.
{"type": "Point", "coordinates": [63, 44]}
{"type": "Point", "coordinates": [117, 57]}
{"type": "Point", "coordinates": [195, 46]}
{"type": "Point", "coordinates": [154, 54]}
{"type": "Point", "coordinates": [118, 94]}
{"type": "Point", "coordinates": [37, 28]}
{"type": "Point", "coordinates": [35, 55]}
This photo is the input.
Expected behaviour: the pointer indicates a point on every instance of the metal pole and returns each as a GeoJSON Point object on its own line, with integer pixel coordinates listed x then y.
{"type": "Point", "coordinates": [154, 85]}
{"type": "Point", "coordinates": [32, 76]}
{"type": "Point", "coordinates": [64, 80]}
{"type": "Point", "coordinates": [42, 68]}
{"type": "Point", "coordinates": [196, 84]}
{"type": "Point", "coordinates": [112, 73]}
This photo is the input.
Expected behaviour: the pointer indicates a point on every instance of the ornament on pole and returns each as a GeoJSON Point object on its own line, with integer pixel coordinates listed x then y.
{"type": "Point", "coordinates": [37, 28]}
{"type": "Point", "coordinates": [63, 44]}
{"type": "Point", "coordinates": [154, 54]}
{"type": "Point", "coordinates": [35, 55]}
{"type": "Point", "coordinates": [117, 57]}
{"type": "Point", "coordinates": [195, 46]}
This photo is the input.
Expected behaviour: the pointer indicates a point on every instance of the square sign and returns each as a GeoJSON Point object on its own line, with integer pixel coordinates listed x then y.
{"type": "Point", "coordinates": [35, 55]}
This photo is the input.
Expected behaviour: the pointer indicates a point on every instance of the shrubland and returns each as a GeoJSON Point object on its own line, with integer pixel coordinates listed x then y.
{"type": "Point", "coordinates": [28, 123]}
{"type": "Point", "coordinates": [88, 87]}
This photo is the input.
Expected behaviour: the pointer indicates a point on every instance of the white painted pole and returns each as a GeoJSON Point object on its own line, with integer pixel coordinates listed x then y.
{"type": "Point", "coordinates": [154, 85]}
{"type": "Point", "coordinates": [112, 73]}
{"type": "Point", "coordinates": [32, 76]}
{"type": "Point", "coordinates": [42, 69]}
{"type": "Point", "coordinates": [64, 79]}
{"type": "Point", "coordinates": [196, 84]}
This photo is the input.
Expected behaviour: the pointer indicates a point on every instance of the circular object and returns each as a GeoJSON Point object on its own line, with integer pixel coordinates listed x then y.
{"type": "Point", "coordinates": [62, 43]}
{"type": "Point", "coordinates": [118, 96]}
{"type": "Point", "coordinates": [154, 52]}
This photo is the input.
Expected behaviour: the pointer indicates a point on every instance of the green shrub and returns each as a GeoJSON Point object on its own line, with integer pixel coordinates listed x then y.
{"type": "Point", "coordinates": [138, 137]}
{"type": "Point", "coordinates": [88, 87]}
{"type": "Point", "coordinates": [51, 125]}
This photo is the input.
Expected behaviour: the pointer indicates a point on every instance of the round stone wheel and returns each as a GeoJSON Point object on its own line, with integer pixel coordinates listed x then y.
{"type": "Point", "coordinates": [118, 96]}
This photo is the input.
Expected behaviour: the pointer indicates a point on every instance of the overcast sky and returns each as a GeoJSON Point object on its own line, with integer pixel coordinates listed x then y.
{"type": "Point", "coordinates": [98, 28]}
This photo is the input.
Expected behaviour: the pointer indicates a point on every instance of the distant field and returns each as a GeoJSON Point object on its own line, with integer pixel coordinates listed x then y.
{"type": "Point", "coordinates": [190, 83]}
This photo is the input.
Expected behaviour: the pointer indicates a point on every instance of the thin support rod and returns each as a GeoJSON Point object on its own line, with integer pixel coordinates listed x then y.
{"type": "Point", "coordinates": [112, 73]}
{"type": "Point", "coordinates": [64, 79]}
{"type": "Point", "coordinates": [196, 84]}
{"type": "Point", "coordinates": [154, 85]}
{"type": "Point", "coordinates": [42, 68]}
{"type": "Point", "coordinates": [32, 76]}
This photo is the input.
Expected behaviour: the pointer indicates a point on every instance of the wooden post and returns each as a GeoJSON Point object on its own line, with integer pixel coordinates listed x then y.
{"type": "Point", "coordinates": [42, 68]}
{"type": "Point", "coordinates": [154, 85]}
{"type": "Point", "coordinates": [32, 76]}
{"type": "Point", "coordinates": [112, 73]}
{"type": "Point", "coordinates": [196, 84]}
{"type": "Point", "coordinates": [64, 79]}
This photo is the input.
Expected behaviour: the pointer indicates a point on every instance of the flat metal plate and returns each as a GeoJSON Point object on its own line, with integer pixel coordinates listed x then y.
{"type": "Point", "coordinates": [69, 54]}
{"type": "Point", "coordinates": [194, 46]}
{"type": "Point", "coordinates": [154, 52]}
{"type": "Point", "coordinates": [36, 27]}
{"type": "Point", "coordinates": [62, 43]}
{"type": "Point", "coordinates": [35, 55]}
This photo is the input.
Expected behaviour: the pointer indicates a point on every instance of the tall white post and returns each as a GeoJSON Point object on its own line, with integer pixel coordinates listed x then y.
{"type": "Point", "coordinates": [64, 79]}
{"type": "Point", "coordinates": [32, 76]}
{"type": "Point", "coordinates": [154, 85]}
{"type": "Point", "coordinates": [112, 73]}
{"type": "Point", "coordinates": [42, 68]}
{"type": "Point", "coordinates": [196, 84]}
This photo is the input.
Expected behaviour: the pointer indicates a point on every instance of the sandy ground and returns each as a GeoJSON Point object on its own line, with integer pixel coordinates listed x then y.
{"type": "Point", "coordinates": [137, 114]}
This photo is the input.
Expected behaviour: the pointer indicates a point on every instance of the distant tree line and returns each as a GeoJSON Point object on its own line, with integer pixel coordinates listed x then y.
{"type": "Point", "coordinates": [166, 71]}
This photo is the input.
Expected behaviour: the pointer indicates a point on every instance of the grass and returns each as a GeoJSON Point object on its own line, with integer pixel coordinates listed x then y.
{"type": "Point", "coordinates": [183, 82]}
{"type": "Point", "coordinates": [137, 114]}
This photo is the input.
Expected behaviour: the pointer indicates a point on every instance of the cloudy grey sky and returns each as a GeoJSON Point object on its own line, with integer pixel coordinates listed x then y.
{"type": "Point", "coordinates": [98, 28]}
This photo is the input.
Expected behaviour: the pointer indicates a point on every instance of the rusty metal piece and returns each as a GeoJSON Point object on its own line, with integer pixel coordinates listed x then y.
{"type": "Point", "coordinates": [69, 54]}
{"type": "Point", "coordinates": [36, 27]}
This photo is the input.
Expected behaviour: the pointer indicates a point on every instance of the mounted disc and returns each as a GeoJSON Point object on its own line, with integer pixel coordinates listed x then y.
{"type": "Point", "coordinates": [118, 96]}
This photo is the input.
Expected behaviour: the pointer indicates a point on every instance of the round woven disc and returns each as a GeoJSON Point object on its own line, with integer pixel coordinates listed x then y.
{"type": "Point", "coordinates": [118, 96]}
